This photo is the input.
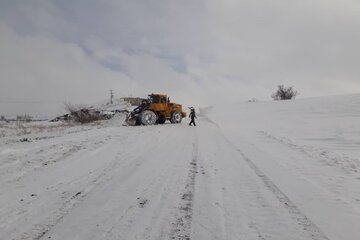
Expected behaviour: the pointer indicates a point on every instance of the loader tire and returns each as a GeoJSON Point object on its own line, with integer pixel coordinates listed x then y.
{"type": "Point", "coordinates": [148, 117]}
{"type": "Point", "coordinates": [176, 117]}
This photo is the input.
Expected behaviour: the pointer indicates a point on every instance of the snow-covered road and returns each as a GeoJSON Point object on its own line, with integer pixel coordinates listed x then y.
{"type": "Point", "coordinates": [174, 182]}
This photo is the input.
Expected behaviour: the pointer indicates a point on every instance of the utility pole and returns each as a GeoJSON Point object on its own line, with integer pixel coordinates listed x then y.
{"type": "Point", "coordinates": [111, 96]}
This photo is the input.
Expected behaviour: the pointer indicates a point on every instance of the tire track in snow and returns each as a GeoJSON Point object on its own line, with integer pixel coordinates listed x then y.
{"type": "Point", "coordinates": [300, 217]}
{"type": "Point", "coordinates": [310, 227]}
{"type": "Point", "coordinates": [46, 156]}
{"type": "Point", "coordinates": [145, 198]}
{"type": "Point", "coordinates": [41, 230]}
{"type": "Point", "coordinates": [181, 227]}
{"type": "Point", "coordinates": [344, 163]}
{"type": "Point", "coordinates": [60, 214]}
{"type": "Point", "coordinates": [51, 189]}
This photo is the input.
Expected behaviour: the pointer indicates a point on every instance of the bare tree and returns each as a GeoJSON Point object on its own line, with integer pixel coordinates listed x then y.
{"type": "Point", "coordinates": [70, 107]}
{"type": "Point", "coordinates": [284, 93]}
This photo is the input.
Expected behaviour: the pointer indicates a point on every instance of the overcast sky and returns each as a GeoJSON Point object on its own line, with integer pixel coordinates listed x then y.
{"type": "Point", "coordinates": [197, 51]}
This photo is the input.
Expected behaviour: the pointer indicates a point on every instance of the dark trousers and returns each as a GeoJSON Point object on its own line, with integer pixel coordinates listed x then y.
{"type": "Point", "coordinates": [192, 121]}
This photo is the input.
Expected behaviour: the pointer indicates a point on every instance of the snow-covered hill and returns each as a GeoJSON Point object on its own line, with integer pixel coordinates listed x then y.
{"type": "Point", "coordinates": [264, 170]}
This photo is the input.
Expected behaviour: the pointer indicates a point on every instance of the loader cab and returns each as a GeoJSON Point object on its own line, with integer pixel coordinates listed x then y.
{"type": "Point", "coordinates": [158, 98]}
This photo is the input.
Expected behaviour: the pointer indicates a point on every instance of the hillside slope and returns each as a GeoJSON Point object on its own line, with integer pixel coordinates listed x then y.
{"type": "Point", "coordinates": [267, 170]}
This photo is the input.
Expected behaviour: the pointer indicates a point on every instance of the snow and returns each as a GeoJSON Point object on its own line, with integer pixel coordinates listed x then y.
{"type": "Point", "coordinates": [259, 170]}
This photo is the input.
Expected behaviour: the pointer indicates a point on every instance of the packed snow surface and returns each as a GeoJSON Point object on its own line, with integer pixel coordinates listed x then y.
{"type": "Point", "coordinates": [265, 170]}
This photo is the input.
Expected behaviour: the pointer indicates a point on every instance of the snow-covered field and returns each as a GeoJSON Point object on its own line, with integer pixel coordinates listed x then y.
{"type": "Point", "coordinates": [265, 170]}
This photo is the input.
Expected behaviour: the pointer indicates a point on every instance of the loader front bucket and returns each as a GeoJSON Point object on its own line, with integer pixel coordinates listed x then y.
{"type": "Point", "coordinates": [131, 119]}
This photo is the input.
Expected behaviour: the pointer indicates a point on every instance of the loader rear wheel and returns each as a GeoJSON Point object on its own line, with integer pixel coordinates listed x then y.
{"type": "Point", "coordinates": [176, 117]}
{"type": "Point", "coordinates": [148, 117]}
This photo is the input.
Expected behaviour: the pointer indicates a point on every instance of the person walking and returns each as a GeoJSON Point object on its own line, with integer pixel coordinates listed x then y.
{"type": "Point", "coordinates": [192, 115]}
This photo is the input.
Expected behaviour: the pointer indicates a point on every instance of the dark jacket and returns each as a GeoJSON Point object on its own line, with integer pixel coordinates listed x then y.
{"type": "Point", "coordinates": [192, 114]}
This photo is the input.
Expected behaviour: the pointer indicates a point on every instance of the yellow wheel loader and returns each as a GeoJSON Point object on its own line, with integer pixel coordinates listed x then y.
{"type": "Point", "coordinates": [156, 109]}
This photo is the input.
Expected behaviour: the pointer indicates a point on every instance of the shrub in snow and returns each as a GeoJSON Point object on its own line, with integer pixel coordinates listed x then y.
{"type": "Point", "coordinates": [284, 93]}
{"type": "Point", "coordinates": [24, 118]}
{"type": "Point", "coordinates": [253, 100]}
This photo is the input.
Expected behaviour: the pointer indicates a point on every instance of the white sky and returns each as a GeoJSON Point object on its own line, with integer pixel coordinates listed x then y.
{"type": "Point", "coordinates": [200, 52]}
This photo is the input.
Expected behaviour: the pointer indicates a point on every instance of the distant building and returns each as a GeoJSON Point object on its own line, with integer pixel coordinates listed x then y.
{"type": "Point", "coordinates": [3, 118]}
{"type": "Point", "coordinates": [134, 101]}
